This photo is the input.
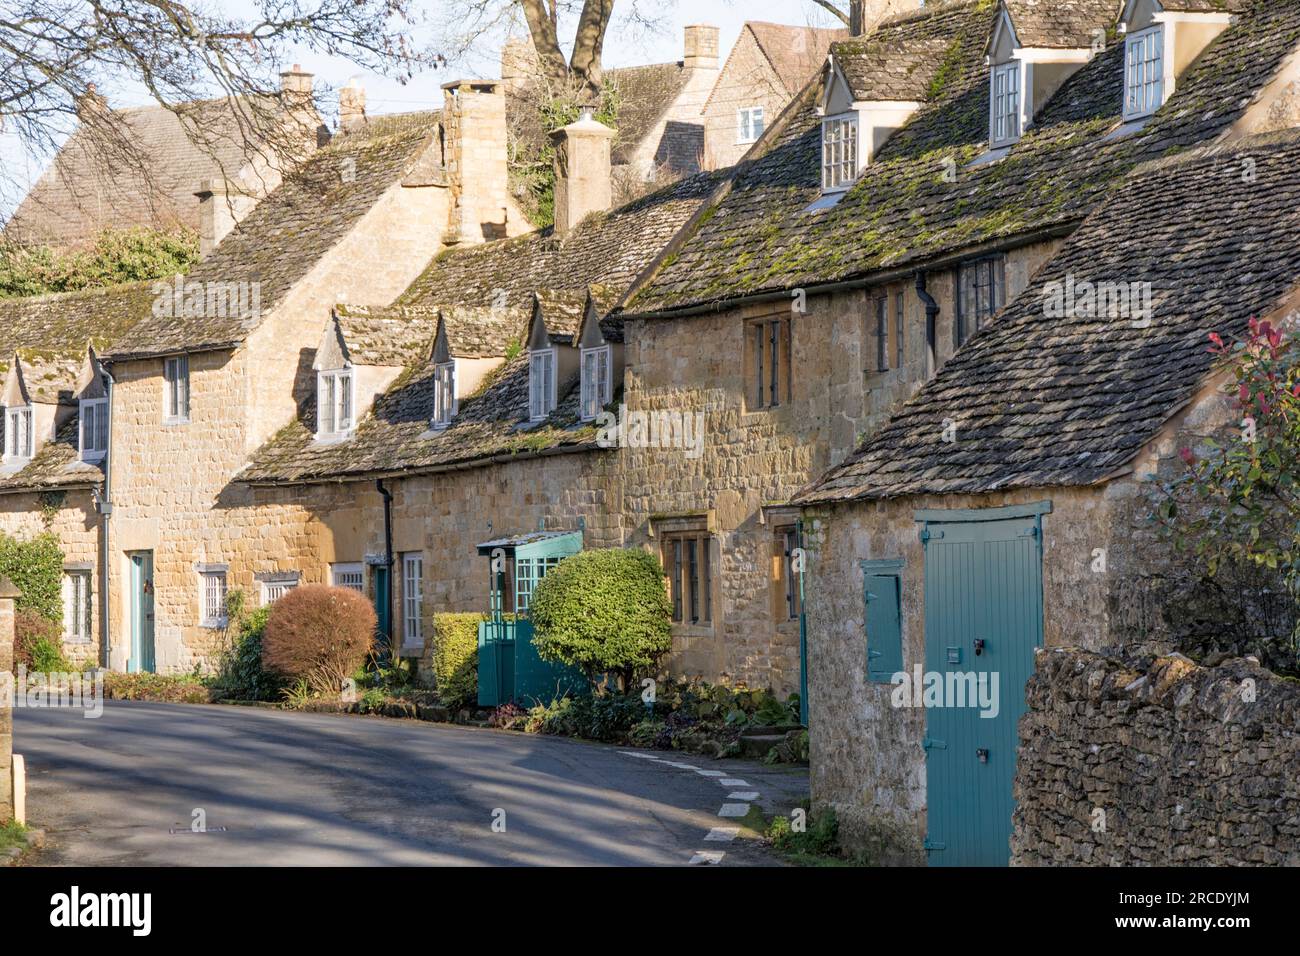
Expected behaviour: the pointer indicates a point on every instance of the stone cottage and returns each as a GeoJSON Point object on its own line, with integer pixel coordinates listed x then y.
{"type": "Point", "coordinates": [165, 157]}
{"type": "Point", "coordinates": [495, 362]}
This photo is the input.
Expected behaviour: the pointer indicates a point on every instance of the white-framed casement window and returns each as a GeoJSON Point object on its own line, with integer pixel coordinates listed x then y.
{"type": "Point", "coordinates": [839, 152]}
{"type": "Point", "coordinates": [76, 606]}
{"type": "Point", "coordinates": [277, 587]}
{"type": "Point", "coordinates": [94, 429]}
{"type": "Point", "coordinates": [212, 596]}
{"type": "Point", "coordinates": [334, 417]}
{"type": "Point", "coordinates": [19, 438]}
{"type": "Point", "coordinates": [541, 383]}
{"type": "Point", "coordinates": [412, 599]}
{"type": "Point", "coordinates": [749, 124]}
{"type": "Point", "coordinates": [348, 576]}
{"type": "Point", "coordinates": [176, 388]}
{"type": "Point", "coordinates": [444, 394]}
{"type": "Point", "coordinates": [1144, 72]}
{"type": "Point", "coordinates": [597, 386]}
{"type": "Point", "coordinates": [1004, 104]}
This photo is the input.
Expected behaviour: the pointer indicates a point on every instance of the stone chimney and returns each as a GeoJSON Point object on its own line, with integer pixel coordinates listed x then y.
{"type": "Point", "coordinates": [91, 104]}
{"type": "Point", "coordinates": [222, 205]}
{"type": "Point", "coordinates": [295, 82]}
{"type": "Point", "coordinates": [518, 64]}
{"type": "Point", "coordinates": [352, 106]}
{"type": "Point", "coordinates": [474, 122]}
{"type": "Point", "coordinates": [582, 171]}
{"type": "Point", "coordinates": [701, 47]}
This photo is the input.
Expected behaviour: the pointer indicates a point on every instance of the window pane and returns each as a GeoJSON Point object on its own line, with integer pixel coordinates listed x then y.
{"type": "Point", "coordinates": [706, 582]}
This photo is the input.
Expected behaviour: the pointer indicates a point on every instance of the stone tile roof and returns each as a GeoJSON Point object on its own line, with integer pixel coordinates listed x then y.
{"type": "Point", "coordinates": [759, 238]}
{"type": "Point", "coordinates": [492, 424]}
{"type": "Point", "coordinates": [1061, 24]}
{"type": "Point", "coordinates": [378, 337]}
{"type": "Point", "coordinates": [908, 58]}
{"type": "Point", "coordinates": [55, 466]}
{"type": "Point", "coordinates": [50, 332]}
{"type": "Point", "coordinates": [645, 94]}
{"type": "Point", "coordinates": [603, 254]}
{"type": "Point", "coordinates": [795, 52]}
{"type": "Point", "coordinates": [284, 237]}
{"type": "Point", "coordinates": [78, 197]}
{"type": "Point", "coordinates": [1206, 6]}
{"type": "Point", "coordinates": [1040, 399]}
{"type": "Point", "coordinates": [610, 249]}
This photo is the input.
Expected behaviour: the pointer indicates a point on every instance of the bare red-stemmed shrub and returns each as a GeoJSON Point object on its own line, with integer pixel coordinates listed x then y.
{"type": "Point", "coordinates": [319, 634]}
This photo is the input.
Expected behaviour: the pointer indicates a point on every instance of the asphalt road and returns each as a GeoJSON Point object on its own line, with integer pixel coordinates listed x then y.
{"type": "Point", "coordinates": [278, 788]}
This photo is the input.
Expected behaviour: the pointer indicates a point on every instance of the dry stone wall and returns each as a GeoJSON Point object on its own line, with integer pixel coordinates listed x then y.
{"type": "Point", "coordinates": [1157, 762]}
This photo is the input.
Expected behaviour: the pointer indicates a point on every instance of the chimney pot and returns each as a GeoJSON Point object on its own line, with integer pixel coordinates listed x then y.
{"type": "Point", "coordinates": [296, 81]}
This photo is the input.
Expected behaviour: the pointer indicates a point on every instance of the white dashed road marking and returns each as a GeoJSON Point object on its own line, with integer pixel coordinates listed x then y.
{"type": "Point", "coordinates": [710, 773]}
{"type": "Point", "coordinates": [733, 810]}
{"type": "Point", "coordinates": [733, 782]}
{"type": "Point", "coordinates": [743, 795]}
{"type": "Point", "coordinates": [707, 857]}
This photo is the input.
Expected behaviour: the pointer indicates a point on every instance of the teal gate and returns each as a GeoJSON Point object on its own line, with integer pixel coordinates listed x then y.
{"type": "Point", "coordinates": [983, 620]}
{"type": "Point", "coordinates": [509, 668]}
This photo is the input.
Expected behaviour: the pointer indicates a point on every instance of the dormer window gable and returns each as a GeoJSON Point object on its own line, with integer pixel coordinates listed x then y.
{"type": "Point", "coordinates": [335, 386]}
{"type": "Point", "coordinates": [853, 128]}
{"type": "Point", "coordinates": [1025, 72]}
{"type": "Point", "coordinates": [92, 410]}
{"type": "Point", "coordinates": [445, 399]}
{"type": "Point", "coordinates": [543, 357]}
{"type": "Point", "coordinates": [1159, 45]}
{"type": "Point", "coordinates": [20, 437]}
{"type": "Point", "coordinates": [597, 356]}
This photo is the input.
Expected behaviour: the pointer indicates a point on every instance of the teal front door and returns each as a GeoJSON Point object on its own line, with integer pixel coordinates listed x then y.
{"type": "Point", "coordinates": [142, 592]}
{"type": "Point", "coordinates": [383, 606]}
{"type": "Point", "coordinates": [983, 619]}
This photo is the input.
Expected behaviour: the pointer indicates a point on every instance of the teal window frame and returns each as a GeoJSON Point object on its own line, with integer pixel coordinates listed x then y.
{"type": "Point", "coordinates": [882, 606]}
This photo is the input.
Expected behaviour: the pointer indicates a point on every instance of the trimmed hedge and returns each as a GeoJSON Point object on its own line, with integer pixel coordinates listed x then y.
{"type": "Point", "coordinates": [454, 661]}
{"type": "Point", "coordinates": [603, 611]}
{"type": "Point", "coordinates": [320, 635]}
{"type": "Point", "coordinates": [36, 568]}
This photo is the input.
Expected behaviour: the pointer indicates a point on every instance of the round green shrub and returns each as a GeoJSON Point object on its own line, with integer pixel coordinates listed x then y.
{"type": "Point", "coordinates": [603, 611]}
{"type": "Point", "coordinates": [240, 672]}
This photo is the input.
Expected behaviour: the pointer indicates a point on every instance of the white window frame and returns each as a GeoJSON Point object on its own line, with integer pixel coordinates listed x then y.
{"type": "Point", "coordinates": [20, 433]}
{"type": "Point", "coordinates": [1144, 77]}
{"type": "Point", "coordinates": [841, 148]}
{"type": "Point", "coordinates": [747, 117]}
{"type": "Point", "coordinates": [274, 588]}
{"type": "Point", "coordinates": [336, 414]}
{"type": "Point", "coordinates": [597, 389]}
{"type": "Point", "coordinates": [77, 609]}
{"type": "Point", "coordinates": [92, 412]}
{"type": "Point", "coordinates": [349, 575]}
{"type": "Point", "coordinates": [213, 588]}
{"type": "Point", "coordinates": [1005, 91]}
{"type": "Point", "coordinates": [542, 397]}
{"type": "Point", "coordinates": [176, 389]}
{"type": "Point", "coordinates": [445, 405]}
{"type": "Point", "coordinates": [413, 599]}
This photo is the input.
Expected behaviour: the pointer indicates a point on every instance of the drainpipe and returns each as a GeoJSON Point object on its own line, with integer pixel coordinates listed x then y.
{"type": "Point", "coordinates": [803, 626]}
{"type": "Point", "coordinates": [104, 504]}
{"type": "Point", "coordinates": [385, 651]}
{"type": "Point", "coordinates": [931, 317]}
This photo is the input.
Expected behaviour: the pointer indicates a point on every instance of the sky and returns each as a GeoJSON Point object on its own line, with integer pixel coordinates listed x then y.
{"type": "Point", "coordinates": [626, 44]}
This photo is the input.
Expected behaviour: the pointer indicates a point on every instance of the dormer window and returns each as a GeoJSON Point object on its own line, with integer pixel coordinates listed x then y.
{"type": "Point", "coordinates": [334, 403]}
{"type": "Point", "coordinates": [749, 124]}
{"type": "Point", "coordinates": [1004, 102]}
{"type": "Point", "coordinates": [1144, 76]}
{"type": "Point", "coordinates": [444, 393]}
{"type": "Point", "coordinates": [597, 386]}
{"type": "Point", "coordinates": [541, 383]}
{"type": "Point", "coordinates": [839, 152]}
{"type": "Point", "coordinates": [18, 434]}
{"type": "Point", "coordinates": [94, 429]}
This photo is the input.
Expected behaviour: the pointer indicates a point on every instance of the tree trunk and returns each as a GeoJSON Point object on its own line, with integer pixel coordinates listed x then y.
{"type": "Point", "coordinates": [588, 42]}
{"type": "Point", "coordinates": [540, 15]}
{"type": "Point", "coordinates": [857, 17]}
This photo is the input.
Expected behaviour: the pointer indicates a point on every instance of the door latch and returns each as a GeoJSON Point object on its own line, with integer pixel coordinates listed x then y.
{"type": "Point", "coordinates": [979, 646]}
{"type": "Point", "coordinates": [983, 754]}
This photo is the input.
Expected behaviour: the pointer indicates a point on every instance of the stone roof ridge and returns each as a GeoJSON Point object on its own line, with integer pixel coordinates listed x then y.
{"type": "Point", "coordinates": [924, 13]}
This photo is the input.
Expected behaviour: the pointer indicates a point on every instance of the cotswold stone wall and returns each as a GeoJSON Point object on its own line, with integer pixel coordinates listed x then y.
{"type": "Point", "coordinates": [1157, 762]}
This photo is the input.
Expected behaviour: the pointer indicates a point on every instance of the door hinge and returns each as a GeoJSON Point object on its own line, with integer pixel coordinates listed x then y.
{"type": "Point", "coordinates": [1029, 533]}
{"type": "Point", "coordinates": [926, 534]}
{"type": "Point", "coordinates": [933, 845]}
{"type": "Point", "coordinates": [930, 743]}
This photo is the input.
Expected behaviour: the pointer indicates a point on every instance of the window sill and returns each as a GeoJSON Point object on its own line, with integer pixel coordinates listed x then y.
{"type": "Point", "coordinates": [217, 625]}
{"type": "Point", "coordinates": [992, 155]}
{"type": "Point", "coordinates": [94, 458]}
{"type": "Point", "coordinates": [175, 421]}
